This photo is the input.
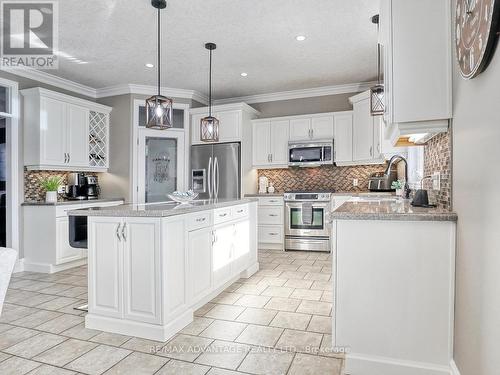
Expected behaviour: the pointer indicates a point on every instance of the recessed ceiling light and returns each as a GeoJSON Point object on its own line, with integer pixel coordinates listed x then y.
{"type": "Point", "coordinates": [300, 38]}
{"type": "Point", "coordinates": [244, 74]}
{"type": "Point", "coordinates": [83, 62]}
{"type": "Point", "coordinates": [149, 65]}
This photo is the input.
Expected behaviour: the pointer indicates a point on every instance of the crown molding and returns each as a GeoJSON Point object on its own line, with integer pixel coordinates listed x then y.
{"type": "Point", "coordinates": [149, 90]}
{"type": "Point", "coordinates": [52, 80]}
{"type": "Point", "coordinates": [299, 94]}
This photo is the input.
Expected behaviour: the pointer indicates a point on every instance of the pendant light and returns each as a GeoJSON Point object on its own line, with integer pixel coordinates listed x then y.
{"type": "Point", "coordinates": [158, 107]}
{"type": "Point", "coordinates": [209, 126]}
{"type": "Point", "coordinates": [377, 106]}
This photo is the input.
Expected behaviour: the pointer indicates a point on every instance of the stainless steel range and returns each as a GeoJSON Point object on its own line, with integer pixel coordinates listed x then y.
{"type": "Point", "coordinates": [307, 225]}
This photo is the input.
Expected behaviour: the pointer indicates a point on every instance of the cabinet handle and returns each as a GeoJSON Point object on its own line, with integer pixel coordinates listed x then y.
{"type": "Point", "coordinates": [273, 201]}
{"type": "Point", "coordinates": [69, 157]}
{"type": "Point", "coordinates": [213, 237]}
{"type": "Point", "coordinates": [378, 148]}
{"type": "Point", "coordinates": [271, 155]}
{"type": "Point", "coordinates": [118, 231]}
{"type": "Point", "coordinates": [239, 211]}
{"type": "Point", "coordinates": [222, 215]}
{"type": "Point", "coordinates": [273, 215]}
{"type": "Point", "coordinates": [123, 232]}
{"type": "Point", "coordinates": [201, 219]}
{"type": "Point", "coordinates": [273, 234]}
{"type": "Point", "coordinates": [371, 150]}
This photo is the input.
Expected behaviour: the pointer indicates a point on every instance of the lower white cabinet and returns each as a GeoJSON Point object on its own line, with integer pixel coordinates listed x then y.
{"type": "Point", "coordinates": [200, 262]}
{"type": "Point", "coordinates": [270, 219]}
{"type": "Point", "coordinates": [46, 236]}
{"type": "Point", "coordinates": [124, 269]}
{"type": "Point", "coordinates": [222, 253]}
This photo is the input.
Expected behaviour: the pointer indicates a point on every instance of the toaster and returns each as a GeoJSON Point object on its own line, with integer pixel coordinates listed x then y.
{"type": "Point", "coordinates": [380, 182]}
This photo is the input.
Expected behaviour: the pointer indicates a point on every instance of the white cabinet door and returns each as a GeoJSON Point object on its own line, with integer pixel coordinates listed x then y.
{"type": "Point", "coordinates": [322, 128]}
{"type": "Point", "coordinates": [221, 253]}
{"type": "Point", "coordinates": [229, 126]}
{"type": "Point", "coordinates": [53, 132]}
{"type": "Point", "coordinates": [343, 138]}
{"type": "Point", "coordinates": [195, 128]}
{"type": "Point", "coordinates": [78, 136]}
{"type": "Point", "coordinates": [362, 131]}
{"type": "Point", "coordinates": [199, 263]}
{"type": "Point", "coordinates": [241, 248]}
{"type": "Point", "coordinates": [261, 143]}
{"type": "Point", "coordinates": [64, 252]}
{"type": "Point", "coordinates": [300, 129]}
{"type": "Point", "coordinates": [377, 137]}
{"type": "Point", "coordinates": [279, 142]}
{"type": "Point", "coordinates": [141, 269]}
{"type": "Point", "coordinates": [105, 267]}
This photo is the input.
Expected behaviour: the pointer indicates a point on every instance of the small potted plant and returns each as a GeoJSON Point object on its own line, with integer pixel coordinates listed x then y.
{"type": "Point", "coordinates": [51, 185]}
{"type": "Point", "coordinates": [398, 186]}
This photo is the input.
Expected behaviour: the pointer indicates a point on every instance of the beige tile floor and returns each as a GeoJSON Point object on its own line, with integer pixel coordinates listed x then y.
{"type": "Point", "coordinates": [277, 322]}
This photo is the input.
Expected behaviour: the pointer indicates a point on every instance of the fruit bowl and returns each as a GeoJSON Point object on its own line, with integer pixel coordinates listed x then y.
{"type": "Point", "coordinates": [183, 197]}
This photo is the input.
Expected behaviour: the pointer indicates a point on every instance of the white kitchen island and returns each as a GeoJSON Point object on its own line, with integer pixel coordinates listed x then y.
{"type": "Point", "coordinates": [394, 278]}
{"type": "Point", "coordinates": [150, 266]}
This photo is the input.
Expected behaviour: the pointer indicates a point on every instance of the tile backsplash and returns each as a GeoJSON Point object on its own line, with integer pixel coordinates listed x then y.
{"type": "Point", "coordinates": [33, 190]}
{"type": "Point", "coordinates": [323, 178]}
{"type": "Point", "coordinates": [437, 158]}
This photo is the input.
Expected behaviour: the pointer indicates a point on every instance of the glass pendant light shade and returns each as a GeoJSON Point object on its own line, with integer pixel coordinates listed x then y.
{"type": "Point", "coordinates": [377, 100]}
{"type": "Point", "coordinates": [209, 126]}
{"type": "Point", "coordinates": [209, 129]}
{"type": "Point", "coordinates": [159, 112]}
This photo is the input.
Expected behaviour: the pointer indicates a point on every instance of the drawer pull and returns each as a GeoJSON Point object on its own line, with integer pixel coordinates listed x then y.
{"type": "Point", "coordinates": [273, 215]}
{"type": "Point", "coordinates": [201, 219]}
{"type": "Point", "coordinates": [273, 234]}
{"type": "Point", "coordinates": [239, 211]}
{"type": "Point", "coordinates": [273, 201]}
{"type": "Point", "coordinates": [222, 215]}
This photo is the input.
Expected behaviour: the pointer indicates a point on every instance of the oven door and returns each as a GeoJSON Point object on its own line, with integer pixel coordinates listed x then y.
{"type": "Point", "coordinates": [294, 225]}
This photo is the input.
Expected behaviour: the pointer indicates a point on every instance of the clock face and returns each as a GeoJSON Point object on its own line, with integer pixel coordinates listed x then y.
{"type": "Point", "coordinates": [476, 27]}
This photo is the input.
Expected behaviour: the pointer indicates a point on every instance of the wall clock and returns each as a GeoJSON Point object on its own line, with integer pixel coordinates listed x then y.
{"type": "Point", "coordinates": [477, 26]}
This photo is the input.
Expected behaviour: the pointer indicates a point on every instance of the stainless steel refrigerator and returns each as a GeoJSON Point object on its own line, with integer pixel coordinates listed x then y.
{"type": "Point", "coordinates": [216, 170]}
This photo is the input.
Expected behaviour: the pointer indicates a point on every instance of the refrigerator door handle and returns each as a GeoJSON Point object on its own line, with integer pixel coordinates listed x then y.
{"type": "Point", "coordinates": [216, 178]}
{"type": "Point", "coordinates": [209, 179]}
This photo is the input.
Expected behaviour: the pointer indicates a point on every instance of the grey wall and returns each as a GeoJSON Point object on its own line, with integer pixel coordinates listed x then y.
{"type": "Point", "coordinates": [292, 107]}
{"type": "Point", "coordinates": [476, 198]}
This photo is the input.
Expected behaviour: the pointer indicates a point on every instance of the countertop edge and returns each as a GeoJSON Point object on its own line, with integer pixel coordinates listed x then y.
{"type": "Point", "coordinates": [451, 217]}
{"type": "Point", "coordinates": [70, 203]}
{"type": "Point", "coordinates": [116, 211]}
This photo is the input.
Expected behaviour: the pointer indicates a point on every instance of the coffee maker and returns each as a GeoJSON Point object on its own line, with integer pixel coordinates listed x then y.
{"type": "Point", "coordinates": [91, 187]}
{"type": "Point", "coordinates": [75, 190]}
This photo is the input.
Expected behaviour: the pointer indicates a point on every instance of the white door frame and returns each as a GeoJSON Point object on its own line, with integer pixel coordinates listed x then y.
{"type": "Point", "coordinates": [12, 151]}
{"type": "Point", "coordinates": [136, 133]}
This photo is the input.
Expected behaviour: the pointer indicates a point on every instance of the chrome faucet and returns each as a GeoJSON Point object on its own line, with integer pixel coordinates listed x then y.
{"type": "Point", "coordinates": [388, 171]}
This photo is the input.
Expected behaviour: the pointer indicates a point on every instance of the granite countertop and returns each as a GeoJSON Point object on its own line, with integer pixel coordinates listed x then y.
{"type": "Point", "coordinates": [262, 195]}
{"type": "Point", "coordinates": [337, 193]}
{"type": "Point", "coordinates": [163, 209]}
{"type": "Point", "coordinates": [70, 202]}
{"type": "Point", "coordinates": [389, 209]}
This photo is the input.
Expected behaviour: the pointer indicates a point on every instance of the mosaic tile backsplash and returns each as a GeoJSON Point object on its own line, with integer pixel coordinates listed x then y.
{"type": "Point", "coordinates": [437, 158]}
{"type": "Point", "coordinates": [33, 190]}
{"type": "Point", "coordinates": [323, 178]}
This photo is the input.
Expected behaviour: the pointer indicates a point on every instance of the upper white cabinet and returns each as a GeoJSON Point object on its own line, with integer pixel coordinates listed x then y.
{"type": "Point", "coordinates": [232, 120]}
{"type": "Point", "coordinates": [417, 66]}
{"type": "Point", "coordinates": [343, 138]}
{"type": "Point", "coordinates": [306, 128]}
{"type": "Point", "coordinates": [64, 133]}
{"type": "Point", "coordinates": [270, 143]}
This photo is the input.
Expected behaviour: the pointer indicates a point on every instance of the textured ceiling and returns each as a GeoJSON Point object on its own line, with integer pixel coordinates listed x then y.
{"type": "Point", "coordinates": [118, 37]}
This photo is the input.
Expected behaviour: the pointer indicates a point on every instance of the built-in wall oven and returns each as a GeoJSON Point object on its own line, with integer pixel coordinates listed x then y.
{"type": "Point", "coordinates": [310, 154]}
{"type": "Point", "coordinates": [307, 223]}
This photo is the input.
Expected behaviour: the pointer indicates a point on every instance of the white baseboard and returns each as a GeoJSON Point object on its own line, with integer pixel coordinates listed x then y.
{"type": "Point", "coordinates": [454, 368]}
{"type": "Point", "coordinates": [51, 268]}
{"type": "Point", "coordinates": [143, 330]}
{"type": "Point", "coordinates": [360, 364]}
{"type": "Point", "coordinates": [19, 266]}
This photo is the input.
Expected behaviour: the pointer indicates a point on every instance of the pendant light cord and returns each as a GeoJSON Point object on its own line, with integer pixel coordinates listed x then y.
{"type": "Point", "coordinates": [159, 52]}
{"type": "Point", "coordinates": [378, 54]}
{"type": "Point", "coordinates": [210, 87]}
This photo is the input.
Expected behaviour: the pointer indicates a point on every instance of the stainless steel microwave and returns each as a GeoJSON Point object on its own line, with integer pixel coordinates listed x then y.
{"type": "Point", "coordinates": [310, 154]}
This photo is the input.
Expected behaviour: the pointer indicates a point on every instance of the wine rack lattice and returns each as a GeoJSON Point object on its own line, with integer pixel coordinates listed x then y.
{"type": "Point", "coordinates": [98, 134]}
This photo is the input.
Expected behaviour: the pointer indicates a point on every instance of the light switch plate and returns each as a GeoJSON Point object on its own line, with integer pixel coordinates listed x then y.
{"type": "Point", "coordinates": [436, 181]}
{"type": "Point", "coordinates": [355, 182]}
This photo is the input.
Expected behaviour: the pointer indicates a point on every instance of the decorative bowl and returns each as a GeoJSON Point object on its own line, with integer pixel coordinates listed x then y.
{"type": "Point", "coordinates": [183, 197]}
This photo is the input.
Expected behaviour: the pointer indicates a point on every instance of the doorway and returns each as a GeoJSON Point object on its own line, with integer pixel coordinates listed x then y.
{"type": "Point", "coordinates": [9, 173]}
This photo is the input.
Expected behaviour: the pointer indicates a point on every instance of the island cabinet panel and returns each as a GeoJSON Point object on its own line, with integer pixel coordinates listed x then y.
{"type": "Point", "coordinates": [141, 277]}
{"type": "Point", "coordinates": [105, 267]}
{"type": "Point", "coordinates": [200, 263]}
{"type": "Point", "coordinates": [221, 253]}
{"type": "Point", "coordinates": [241, 246]}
